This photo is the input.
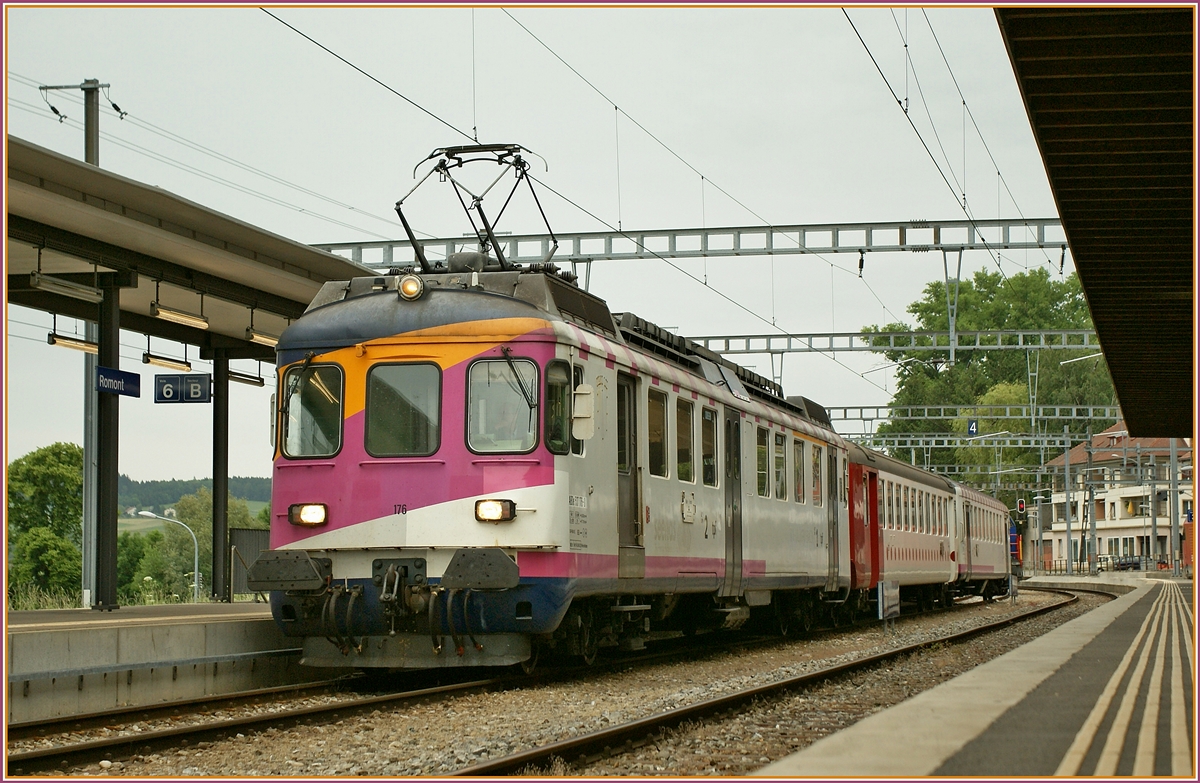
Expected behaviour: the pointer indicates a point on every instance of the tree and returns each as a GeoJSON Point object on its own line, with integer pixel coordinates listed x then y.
{"type": "Point", "coordinates": [195, 511]}
{"type": "Point", "coordinates": [44, 559]}
{"type": "Point", "coordinates": [262, 520]}
{"type": "Point", "coordinates": [45, 489]}
{"type": "Point", "coordinates": [1031, 301]}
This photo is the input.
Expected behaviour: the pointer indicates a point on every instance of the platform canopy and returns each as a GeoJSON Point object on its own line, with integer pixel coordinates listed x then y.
{"type": "Point", "coordinates": [73, 221]}
{"type": "Point", "coordinates": [1110, 93]}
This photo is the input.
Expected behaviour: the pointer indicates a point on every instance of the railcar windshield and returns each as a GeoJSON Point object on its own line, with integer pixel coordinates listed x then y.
{"type": "Point", "coordinates": [403, 408]}
{"type": "Point", "coordinates": [502, 406]}
{"type": "Point", "coordinates": [312, 423]}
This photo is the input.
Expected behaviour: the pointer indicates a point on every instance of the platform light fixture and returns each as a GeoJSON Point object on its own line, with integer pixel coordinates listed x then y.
{"type": "Point", "coordinates": [247, 378]}
{"type": "Point", "coordinates": [56, 285]}
{"type": "Point", "coordinates": [165, 361]}
{"type": "Point", "coordinates": [259, 336]}
{"type": "Point", "coordinates": [178, 316]}
{"type": "Point", "coordinates": [72, 342]}
{"type": "Point", "coordinates": [183, 365]}
{"type": "Point", "coordinates": [262, 338]}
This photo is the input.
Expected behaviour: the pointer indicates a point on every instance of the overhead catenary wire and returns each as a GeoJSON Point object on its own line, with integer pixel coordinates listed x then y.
{"type": "Point", "coordinates": [691, 276]}
{"type": "Point", "coordinates": [680, 158]}
{"type": "Point", "coordinates": [203, 174]}
{"type": "Point", "coordinates": [385, 86]}
{"type": "Point", "coordinates": [183, 141]}
{"type": "Point", "coordinates": [966, 210]}
{"type": "Point", "coordinates": [978, 130]}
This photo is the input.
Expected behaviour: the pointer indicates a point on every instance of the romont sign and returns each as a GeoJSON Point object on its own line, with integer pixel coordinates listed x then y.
{"type": "Point", "coordinates": [112, 381]}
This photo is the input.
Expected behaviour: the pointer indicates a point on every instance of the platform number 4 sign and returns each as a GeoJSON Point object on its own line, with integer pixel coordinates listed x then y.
{"type": "Point", "coordinates": [972, 427]}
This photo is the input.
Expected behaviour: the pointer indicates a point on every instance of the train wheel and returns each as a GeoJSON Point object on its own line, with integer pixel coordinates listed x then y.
{"type": "Point", "coordinates": [528, 665]}
{"type": "Point", "coordinates": [807, 614]}
{"type": "Point", "coordinates": [783, 616]}
{"type": "Point", "coordinates": [589, 641]}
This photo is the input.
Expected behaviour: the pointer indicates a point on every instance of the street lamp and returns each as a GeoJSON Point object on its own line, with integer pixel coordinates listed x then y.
{"type": "Point", "coordinates": [195, 552]}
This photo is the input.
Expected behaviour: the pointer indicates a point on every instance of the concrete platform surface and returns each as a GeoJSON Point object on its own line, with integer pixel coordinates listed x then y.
{"type": "Point", "coordinates": [1109, 693]}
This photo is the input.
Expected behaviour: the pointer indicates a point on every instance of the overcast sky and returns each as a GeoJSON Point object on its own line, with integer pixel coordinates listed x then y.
{"type": "Point", "coordinates": [781, 110]}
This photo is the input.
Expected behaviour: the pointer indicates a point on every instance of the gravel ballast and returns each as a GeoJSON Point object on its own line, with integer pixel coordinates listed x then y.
{"type": "Point", "coordinates": [440, 735]}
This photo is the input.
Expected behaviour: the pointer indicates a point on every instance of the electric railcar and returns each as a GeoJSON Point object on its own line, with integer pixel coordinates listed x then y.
{"type": "Point", "coordinates": [476, 460]}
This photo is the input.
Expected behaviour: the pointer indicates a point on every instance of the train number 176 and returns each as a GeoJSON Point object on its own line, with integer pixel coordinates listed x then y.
{"type": "Point", "coordinates": [400, 508]}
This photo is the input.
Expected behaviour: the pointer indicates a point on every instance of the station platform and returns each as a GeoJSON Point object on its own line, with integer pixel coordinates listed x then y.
{"type": "Point", "coordinates": [1109, 693]}
{"type": "Point", "coordinates": [69, 662]}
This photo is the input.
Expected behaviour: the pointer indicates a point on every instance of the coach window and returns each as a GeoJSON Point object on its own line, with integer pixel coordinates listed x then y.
{"type": "Point", "coordinates": [708, 445]}
{"type": "Point", "coordinates": [684, 432]}
{"type": "Point", "coordinates": [817, 455]}
{"type": "Point", "coordinates": [502, 406]}
{"type": "Point", "coordinates": [891, 516]}
{"type": "Point", "coordinates": [905, 506]}
{"type": "Point", "coordinates": [312, 411]}
{"type": "Point", "coordinates": [921, 519]}
{"type": "Point", "coordinates": [403, 410]}
{"type": "Point", "coordinates": [780, 466]}
{"type": "Point", "coordinates": [845, 476]}
{"type": "Point", "coordinates": [798, 469]}
{"type": "Point", "coordinates": [576, 382]}
{"type": "Point", "coordinates": [656, 430]}
{"type": "Point", "coordinates": [764, 485]}
{"type": "Point", "coordinates": [558, 407]}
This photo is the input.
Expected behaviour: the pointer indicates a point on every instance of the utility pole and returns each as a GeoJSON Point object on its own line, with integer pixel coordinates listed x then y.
{"type": "Point", "coordinates": [1175, 553]}
{"type": "Point", "coordinates": [91, 156]}
{"type": "Point", "coordinates": [1153, 498]}
{"type": "Point", "coordinates": [1067, 487]}
{"type": "Point", "coordinates": [1090, 509]}
{"type": "Point", "coordinates": [90, 536]}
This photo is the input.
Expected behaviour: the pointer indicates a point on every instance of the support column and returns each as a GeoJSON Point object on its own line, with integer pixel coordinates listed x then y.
{"type": "Point", "coordinates": [107, 437]}
{"type": "Point", "coordinates": [220, 549]}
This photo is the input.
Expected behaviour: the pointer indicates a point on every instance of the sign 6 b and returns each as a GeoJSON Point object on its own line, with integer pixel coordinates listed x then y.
{"type": "Point", "coordinates": [183, 388]}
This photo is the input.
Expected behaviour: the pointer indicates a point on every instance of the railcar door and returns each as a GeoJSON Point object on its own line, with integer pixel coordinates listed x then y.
{"type": "Point", "coordinates": [831, 516]}
{"type": "Point", "coordinates": [732, 584]}
{"type": "Point", "coordinates": [968, 535]}
{"type": "Point", "coordinates": [631, 555]}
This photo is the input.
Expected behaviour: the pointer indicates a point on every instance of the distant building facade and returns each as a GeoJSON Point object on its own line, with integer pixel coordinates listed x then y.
{"type": "Point", "coordinates": [1133, 527]}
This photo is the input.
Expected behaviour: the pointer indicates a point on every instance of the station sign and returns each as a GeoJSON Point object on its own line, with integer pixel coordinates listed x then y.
{"type": "Point", "coordinates": [112, 381]}
{"type": "Point", "coordinates": [183, 388]}
{"type": "Point", "coordinates": [972, 427]}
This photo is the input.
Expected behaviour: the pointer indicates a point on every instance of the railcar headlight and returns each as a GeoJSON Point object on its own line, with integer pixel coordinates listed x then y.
{"type": "Point", "coordinates": [495, 510]}
{"type": "Point", "coordinates": [410, 287]}
{"type": "Point", "coordinates": [308, 514]}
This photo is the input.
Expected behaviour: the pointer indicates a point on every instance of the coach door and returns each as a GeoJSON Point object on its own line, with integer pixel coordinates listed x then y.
{"type": "Point", "coordinates": [631, 555]}
{"type": "Point", "coordinates": [732, 584]}
{"type": "Point", "coordinates": [969, 535]}
{"type": "Point", "coordinates": [831, 517]}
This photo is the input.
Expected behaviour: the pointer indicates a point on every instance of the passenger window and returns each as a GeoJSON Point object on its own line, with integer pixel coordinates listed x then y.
{"type": "Point", "coordinates": [683, 439]}
{"type": "Point", "coordinates": [798, 469]}
{"type": "Point", "coordinates": [764, 486]}
{"type": "Point", "coordinates": [845, 476]}
{"type": "Point", "coordinates": [558, 407]}
{"type": "Point", "coordinates": [708, 445]}
{"type": "Point", "coordinates": [780, 466]}
{"type": "Point", "coordinates": [576, 382]}
{"type": "Point", "coordinates": [312, 411]}
{"type": "Point", "coordinates": [502, 406]}
{"type": "Point", "coordinates": [403, 409]}
{"type": "Point", "coordinates": [817, 454]}
{"type": "Point", "coordinates": [656, 428]}
{"type": "Point", "coordinates": [907, 521]}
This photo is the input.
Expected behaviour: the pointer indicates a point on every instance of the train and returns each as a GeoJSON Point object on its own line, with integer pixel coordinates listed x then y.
{"type": "Point", "coordinates": [478, 462]}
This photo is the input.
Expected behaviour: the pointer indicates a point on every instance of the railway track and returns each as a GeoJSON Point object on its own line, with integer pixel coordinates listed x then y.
{"type": "Point", "coordinates": [67, 756]}
{"type": "Point", "coordinates": [591, 747]}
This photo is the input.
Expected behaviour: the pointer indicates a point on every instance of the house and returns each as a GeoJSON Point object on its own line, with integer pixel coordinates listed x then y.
{"type": "Point", "coordinates": [1111, 480]}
